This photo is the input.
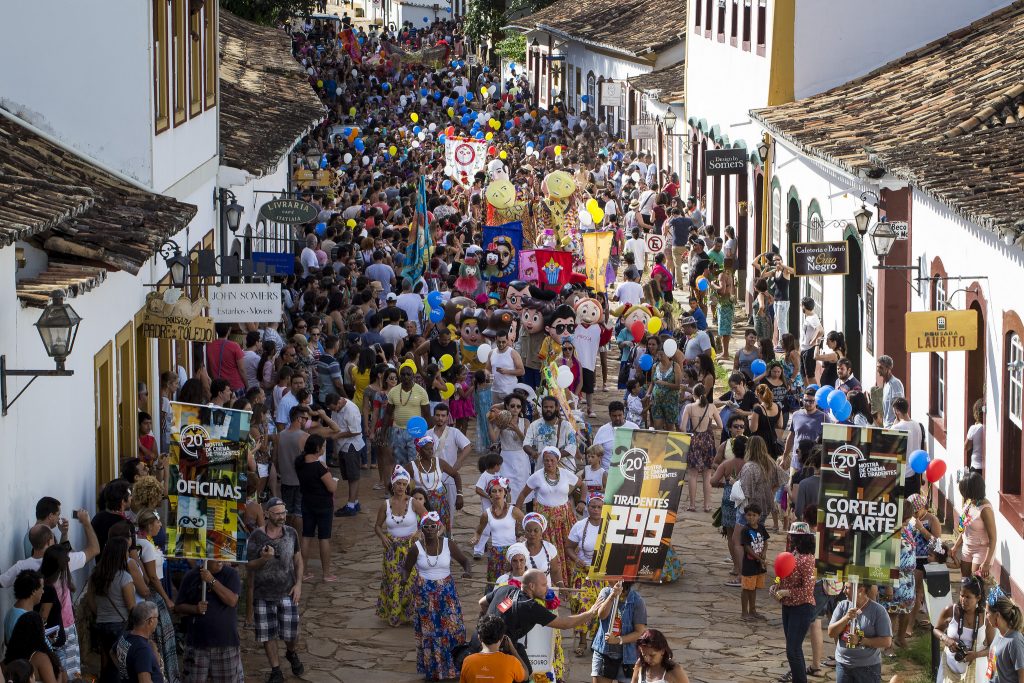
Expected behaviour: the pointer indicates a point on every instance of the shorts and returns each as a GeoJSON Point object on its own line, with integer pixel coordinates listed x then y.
{"type": "Point", "coordinates": [607, 667]}
{"type": "Point", "coordinates": [276, 620]}
{"type": "Point", "coordinates": [752, 583]}
{"type": "Point", "coordinates": [973, 557]}
{"type": "Point", "coordinates": [589, 381]}
{"type": "Point", "coordinates": [292, 497]}
{"type": "Point", "coordinates": [403, 446]}
{"type": "Point", "coordinates": [263, 469]}
{"type": "Point", "coordinates": [349, 463]}
{"type": "Point", "coordinates": [218, 664]}
{"type": "Point", "coordinates": [317, 521]}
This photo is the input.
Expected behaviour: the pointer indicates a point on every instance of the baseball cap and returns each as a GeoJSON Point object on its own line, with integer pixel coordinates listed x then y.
{"type": "Point", "coordinates": [392, 296]}
{"type": "Point", "coordinates": [274, 502]}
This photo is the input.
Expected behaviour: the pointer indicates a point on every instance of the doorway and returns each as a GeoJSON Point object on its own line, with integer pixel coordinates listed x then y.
{"type": "Point", "coordinates": [853, 303]}
{"type": "Point", "coordinates": [975, 369]}
{"type": "Point", "coordinates": [106, 459]}
{"type": "Point", "coordinates": [793, 223]}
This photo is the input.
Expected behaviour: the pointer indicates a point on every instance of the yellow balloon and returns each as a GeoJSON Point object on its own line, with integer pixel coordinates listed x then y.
{"type": "Point", "coordinates": [392, 150]}
{"type": "Point", "coordinates": [503, 154]}
{"type": "Point", "coordinates": [558, 150]}
{"type": "Point", "coordinates": [351, 222]}
{"type": "Point", "coordinates": [489, 136]}
{"type": "Point", "coordinates": [591, 205]}
{"type": "Point", "coordinates": [451, 111]}
{"type": "Point", "coordinates": [411, 364]}
{"type": "Point", "coordinates": [597, 214]}
{"type": "Point", "coordinates": [654, 325]}
{"type": "Point", "coordinates": [483, 90]}
{"type": "Point", "coordinates": [449, 390]}
{"type": "Point", "coordinates": [446, 362]}
{"type": "Point", "coordinates": [319, 84]}
{"type": "Point", "coordinates": [414, 116]}
{"type": "Point", "coordinates": [351, 111]}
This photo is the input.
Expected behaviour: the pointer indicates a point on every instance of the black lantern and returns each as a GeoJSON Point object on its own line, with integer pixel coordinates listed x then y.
{"type": "Point", "coordinates": [862, 217]}
{"type": "Point", "coordinates": [177, 264]}
{"type": "Point", "coordinates": [58, 328]}
{"type": "Point", "coordinates": [233, 214]}
{"type": "Point", "coordinates": [882, 239]}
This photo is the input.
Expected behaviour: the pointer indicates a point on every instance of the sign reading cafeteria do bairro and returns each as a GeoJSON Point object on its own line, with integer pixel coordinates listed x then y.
{"type": "Point", "coordinates": [820, 258]}
{"type": "Point", "coordinates": [942, 331]}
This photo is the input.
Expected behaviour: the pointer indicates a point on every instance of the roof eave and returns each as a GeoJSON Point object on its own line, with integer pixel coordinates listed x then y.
{"type": "Point", "coordinates": [585, 41]}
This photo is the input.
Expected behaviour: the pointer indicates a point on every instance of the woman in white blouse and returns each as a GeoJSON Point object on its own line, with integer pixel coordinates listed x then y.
{"type": "Point", "coordinates": [579, 550]}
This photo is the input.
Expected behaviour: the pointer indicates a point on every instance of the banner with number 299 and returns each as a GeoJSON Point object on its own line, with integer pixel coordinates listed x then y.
{"type": "Point", "coordinates": [641, 499]}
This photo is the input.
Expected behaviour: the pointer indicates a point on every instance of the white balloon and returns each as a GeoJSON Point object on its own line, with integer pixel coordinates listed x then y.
{"type": "Point", "coordinates": [403, 101]}
{"type": "Point", "coordinates": [366, 161]}
{"type": "Point", "coordinates": [670, 347]}
{"type": "Point", "coordinates": [586, 218]}
{"type": "Point", "coordinates": [338, 91]}
{"type": "Point", "coordinates": [347, 158]}
{"type": "Point", "coordinates": [422, 135]}
{"type": "Point", "coordinates": [355, 73]}
{"type": "Point", "coordinates": [416, 144]}
{"type": "Point", "coordinates": [423, 101]}
{"type": "Point", "coordinates": [564, 378]}
{"type": "Point", "coordinates": [483, 352]}
{"type": "Point", "coordinates": [635, 177]}
{"type": "Point", "coordinates": [432, 127]}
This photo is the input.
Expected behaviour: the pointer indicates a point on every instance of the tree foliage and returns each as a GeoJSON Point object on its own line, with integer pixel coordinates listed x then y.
{"type": "Point", "coordinates": [512, 47]}
{"type": "Point", "coordinates": [267, 12]}
{"type": "Point", "coordinates": [486, 17]}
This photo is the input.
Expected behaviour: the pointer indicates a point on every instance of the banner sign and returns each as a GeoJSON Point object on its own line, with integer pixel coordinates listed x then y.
{"type": "Point", "coordinates": [553, 268]}
{"type": "Point", "coordinates": [860, 505]}
{"type": "Point", "coordinates": [641, 498]}
{"type": "Point", "coordinates": [274, 263]}
{"type": "Point", "coordinates": [434, 57]}
{"type": "Point", "coordinates": [255, 302]}
{"type": "Point", "coordinates": [725, 161]}
{"type": "Point", "coordinates": [528, 265]}
{"type": "Point", "coordinates": [941, 331]}
{"type": "Point", "coordinates": [181, 318]}
{"type": "Point", "coordinates": [597, 249]}
{"type": "Point", "coordinates": [464, 158]}
{"type": "Point", "coordinates": [821, 258]}
{"type": "Point", "coordinates": [539, 642]}
{"type": "Point", "coordinates": [502, 247]}
{"type": "Point", "coordinates": [206, 484]}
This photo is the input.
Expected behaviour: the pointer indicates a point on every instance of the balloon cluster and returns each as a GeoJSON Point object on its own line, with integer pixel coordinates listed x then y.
{"type": "Point", "coordinates": [922, 462]}
{"type": "Point", "coordinates": [829, 398]}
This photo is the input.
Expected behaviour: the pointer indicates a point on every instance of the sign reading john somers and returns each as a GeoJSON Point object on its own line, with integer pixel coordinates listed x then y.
{"type": "Point", "coordinates": [820, 258]}
{"type": "Point", "coordinates": [246, 303]}
{"type": "Point", "coordinates": [725, 161]}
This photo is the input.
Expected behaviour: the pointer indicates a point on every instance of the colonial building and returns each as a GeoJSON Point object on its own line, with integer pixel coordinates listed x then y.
{"type": "Point", "coordinates": [933, 136]}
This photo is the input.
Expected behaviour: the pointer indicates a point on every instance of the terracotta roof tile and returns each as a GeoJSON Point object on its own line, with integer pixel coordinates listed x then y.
{"type": "Point", "coordinates": [67, 278]}
{"type": "Point", "coordinates": [969, 78]}
{"type": "Point", "coordinates": [266, 102]}
{"type": "Point", "coordinates": [978, 175]}
{"type": "Point", "coordinates": [631, 26]}
{"type": "Point", "coordinates": [121, 229]}
{"type": "Point", "coordinates": [668, 82]}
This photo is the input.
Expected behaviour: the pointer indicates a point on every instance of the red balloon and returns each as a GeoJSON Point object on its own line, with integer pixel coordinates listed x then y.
{"type": "Point", "coordinates": [936, 468]}
{"type": "Point", "coordinates": [785, 564]}
{"type": "Point", "coordinates": [515, 120]}
{"type": "Point", "coordinates": [638, 330]}
{"type": "Point", "coordinates": [449, 131]}
{"type": "Point", "coordinates": [492, 150]}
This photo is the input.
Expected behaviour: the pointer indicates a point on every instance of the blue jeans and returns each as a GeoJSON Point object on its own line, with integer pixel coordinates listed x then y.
{"type": "Point", "coordinates": [859, 674]}
{"type": "Point", "coordinates": [795, 623]}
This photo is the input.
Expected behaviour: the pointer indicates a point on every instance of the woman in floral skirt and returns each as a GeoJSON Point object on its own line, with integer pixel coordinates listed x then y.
{"type": "Point", "coordinates": [553, 487]}
{"type": "Point", "coordinates": [396, 528]}
{"type": "Point", "coordinates": [437, 613]}
{"type": "Point", "coordinates": [501, 524]}
{"type": "Point", "coordinates": [580, 551]}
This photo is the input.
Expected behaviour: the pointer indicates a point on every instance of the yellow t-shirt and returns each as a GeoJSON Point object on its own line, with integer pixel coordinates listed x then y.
{"type": "Point", "coordinates": [361, 380]}
{"type": "Point", "coordinates": [407, 404]}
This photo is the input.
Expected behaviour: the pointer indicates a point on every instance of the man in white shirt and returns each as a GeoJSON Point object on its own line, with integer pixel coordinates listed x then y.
{"type": "Point", "coordinates": [451, 446]}
{"type": "Point", "coordinates": [41, 537]}
{"type": "Point", "coordinates": [637, 245]}
{"type": "Point", "coordinates": [698, 343]}
{"type": "Point", "coordinates": [630, 292]}
{"type": "Point", "coordinates": [349, 446]}
{"type": "Point", "coordinates": [393, 332]}
{"type": "Point", "coordinates": [892, 389]}
{"type": "Point", "coordinates": [411, 303]}
{"type": "Point", "coordinates": [810, 334]}
{"type": "Point", "coordinates": [308, 256]}
{"type": "Point", "coordinates": [550, 430]}
{"type": "Point", "coordinates": [915, 438]}
{"type": "Point", "coordinates": [251, 358]}
{"type": "Point", "coordinates": [605, 437]}
{"type": "Point", "coordinates": [588, 340]}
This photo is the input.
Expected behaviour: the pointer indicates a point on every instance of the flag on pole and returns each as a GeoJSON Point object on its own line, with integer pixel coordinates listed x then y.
{"type": "Point", "coordinates": [417, 254]}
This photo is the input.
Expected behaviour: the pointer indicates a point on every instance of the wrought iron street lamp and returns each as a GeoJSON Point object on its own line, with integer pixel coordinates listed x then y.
{"type": "Point", "coordinates": [58, 329]}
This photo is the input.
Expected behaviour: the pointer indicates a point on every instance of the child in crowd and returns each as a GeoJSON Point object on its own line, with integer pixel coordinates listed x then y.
{"type": "Point", "coordinates": [490, 467]}
{"type": "Point", "coordinates": [755, 549]}
{"type": "Point", "coordinates": [592, 473]}
{"type": "Point", "coordinates": [461, 404]}
{"type": "Point", "coordinates": [147, 448]}
{"type": "Point", "coordinates": [635, 402]}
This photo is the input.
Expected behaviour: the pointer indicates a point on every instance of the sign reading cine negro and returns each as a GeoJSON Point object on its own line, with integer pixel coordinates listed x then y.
{"type": "Point", "coordinates": [942, 331]}
{"type": "Point", "coordinates": [820, 258]}
{"type": "Point", "coordinates": [725, 161]}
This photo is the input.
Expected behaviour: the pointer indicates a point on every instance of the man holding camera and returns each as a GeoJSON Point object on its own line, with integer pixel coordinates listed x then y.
{"type": "Point", "coordinates": [275, 564]}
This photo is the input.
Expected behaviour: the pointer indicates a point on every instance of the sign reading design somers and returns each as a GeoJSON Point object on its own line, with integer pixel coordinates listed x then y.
{"type": "Point", "coordinates": [246, 303]}
{"type": "Point", "coordinates": [725, 161]}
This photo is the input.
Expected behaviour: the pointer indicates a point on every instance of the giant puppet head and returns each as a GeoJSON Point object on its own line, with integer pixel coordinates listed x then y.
{"type": "Point", "coordinates": [501, 194]}
{"type": "Point", "coordinates": [469, 276]}
{"type": "Point", "coordinates": [588, 311]}
{"type": "Point", "coordinates": [533, 314]}
{"type": "Point", "coordinates": [629, 314]}
{"type": "Point", "coordinates": [471, 324]}
{"type": "Point", "coordinates": [496, 170]}
{"type": "Point", "coordinates": [560, 324]}
{"type": "Point", "coordinates": [558, 185]}
{"type": "Point", "coordinates": [519, 290]}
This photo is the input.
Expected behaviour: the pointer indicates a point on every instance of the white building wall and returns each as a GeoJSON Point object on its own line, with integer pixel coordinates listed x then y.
{"type": "Point", "coordinates": [966, 249]}
{"type": "Point", "coordinates": [838, 41]}
{"type": "Point", "coordinates": [178, 152]}
{"type": "Point", "coordinates": [82, 86]}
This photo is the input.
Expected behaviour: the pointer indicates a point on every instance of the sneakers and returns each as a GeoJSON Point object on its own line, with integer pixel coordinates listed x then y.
{"type": "Point", "coordinates": [358, 507]}
{"type": "Point", "coordinates": [348, 511]}
{"type": "Point", "coordinates": [276, 676]}
{"type": "Point", "coordinates": [293, 659]}
{"type": "Point", "coordinates": [477, 556]}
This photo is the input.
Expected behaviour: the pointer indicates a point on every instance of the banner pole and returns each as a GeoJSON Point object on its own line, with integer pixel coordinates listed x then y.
{"type": "Point", "coordinates": [203, 599]}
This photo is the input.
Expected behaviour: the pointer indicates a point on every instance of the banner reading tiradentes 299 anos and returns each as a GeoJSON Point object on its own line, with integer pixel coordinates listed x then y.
{"type": "Point", "coordinates": [206, 482]}
{"type": "Point", "coordinates": [860, 506]}
{"type": "Point", "coordinates": [641, 498]}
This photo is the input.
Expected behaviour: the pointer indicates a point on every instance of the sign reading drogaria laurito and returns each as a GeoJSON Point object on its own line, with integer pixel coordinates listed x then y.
{"type": "Point", "coordinates": [290, 211]}
{"type": "Point", "coordinates": [725, 161]}
{"type": "Point", "coordinates": [941, 331]}
{"type": "Point", "coordinates": [172, 315]}
{"type": "Point", "coordinates": [820, 258]}
{"type": "Point", "coordinates": [246, 303]}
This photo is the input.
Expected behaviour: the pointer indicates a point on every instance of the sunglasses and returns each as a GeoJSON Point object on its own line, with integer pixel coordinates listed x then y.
{"type": "Point", "coordinates": [562, 328]}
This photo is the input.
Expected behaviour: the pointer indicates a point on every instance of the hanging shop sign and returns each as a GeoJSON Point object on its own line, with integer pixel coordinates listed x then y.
{"type": "Point", "coordinates": [811, 259]}
{"type": "Point", "coordinates": [642, 131]}
{"type": "Point", "coordinates": [725, 161]}
{"type": "Point", "coordinates": [246, 303]}
{"type": "Point", "coordinates": [942, 331]}
{"type": "Point", "coordinates": [172, 315]}
{"type": "Point", "coordinates": [290, 211]}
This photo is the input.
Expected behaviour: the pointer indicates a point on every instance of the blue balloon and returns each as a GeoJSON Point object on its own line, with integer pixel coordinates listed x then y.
{"type": "Point", "coordinates": [487, 69]}
{"type": "Point", "coordinates": [461, 100]}
{"type": "Point", "coordinates": [843, 412]}
{"type": "Point", "coordinates": [512, 65]}
{"type": "Point", "coordinates": [323, 161]}
{"type": "Point", "coordinates": [918, 461]}
{"type": "Point", "coordinates": [347, 132]}
{"type": "Point", "coordinates": [585, 99]}
{"type": "Point", "coordinates": [646, 362]}
{"type": "Point", "coordinates": [416, 130]}
{"type": "Point", "coordinates": [446, 185]}
{"type": "Point", "coordinates": [321, 228]}
{"type": "Point", "coordinates": [821, 396]}
{"type": "Point", "coordinates": [469, 97]}
{"type": "Point", "coordinates": [359, 145]}
{"type": "Point", "coordinates": [436, 315]}
{"type": "Point", "coordinates": [362, 40]}
{"type": "Point", "coordinates": [423, 92]}
{"type": "Point", "coordinates": [437, 97]}
{"type": "Point", "coordinates": [455, 64]}
{"type": "Point", "coordinates": [426, 20]}
{"type": "Point", "coordinates": [417, 427]}
{"type": "Point", "coordinates": [385, 86]}
{"type": "Point", "coordinates": [703, 284]}
{"type": "Point", "coordinates": [479, 135]}
{"type": "Point", "coordinates": [758, 367]}
{"type": "Point", "coordinates": [435, 299]}
{"type": "Point", "coordinates": [448, 10]}
{"type": "Point", "coordinates": [509, 124]}
{"type": "Point", "coordinates": [441, 138]}
{"type": "Point", "coordinates": [836, 399]}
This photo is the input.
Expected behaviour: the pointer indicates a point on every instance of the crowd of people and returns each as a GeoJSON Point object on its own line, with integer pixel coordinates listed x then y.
{"type": "Point", "coordinates": [397, 363]}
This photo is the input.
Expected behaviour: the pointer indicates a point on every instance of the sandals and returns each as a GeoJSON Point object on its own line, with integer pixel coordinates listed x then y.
{"type": "Point", "coordinates": [691, 509]}
{"type": "Point", "coordinates": [786, 677]}
{"type": "Point", "coordinates": [815, 671]}
{"type": "Point", "coordinates": [580, 650]}
{"type": "Point", "coordinates": [829, 661]}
